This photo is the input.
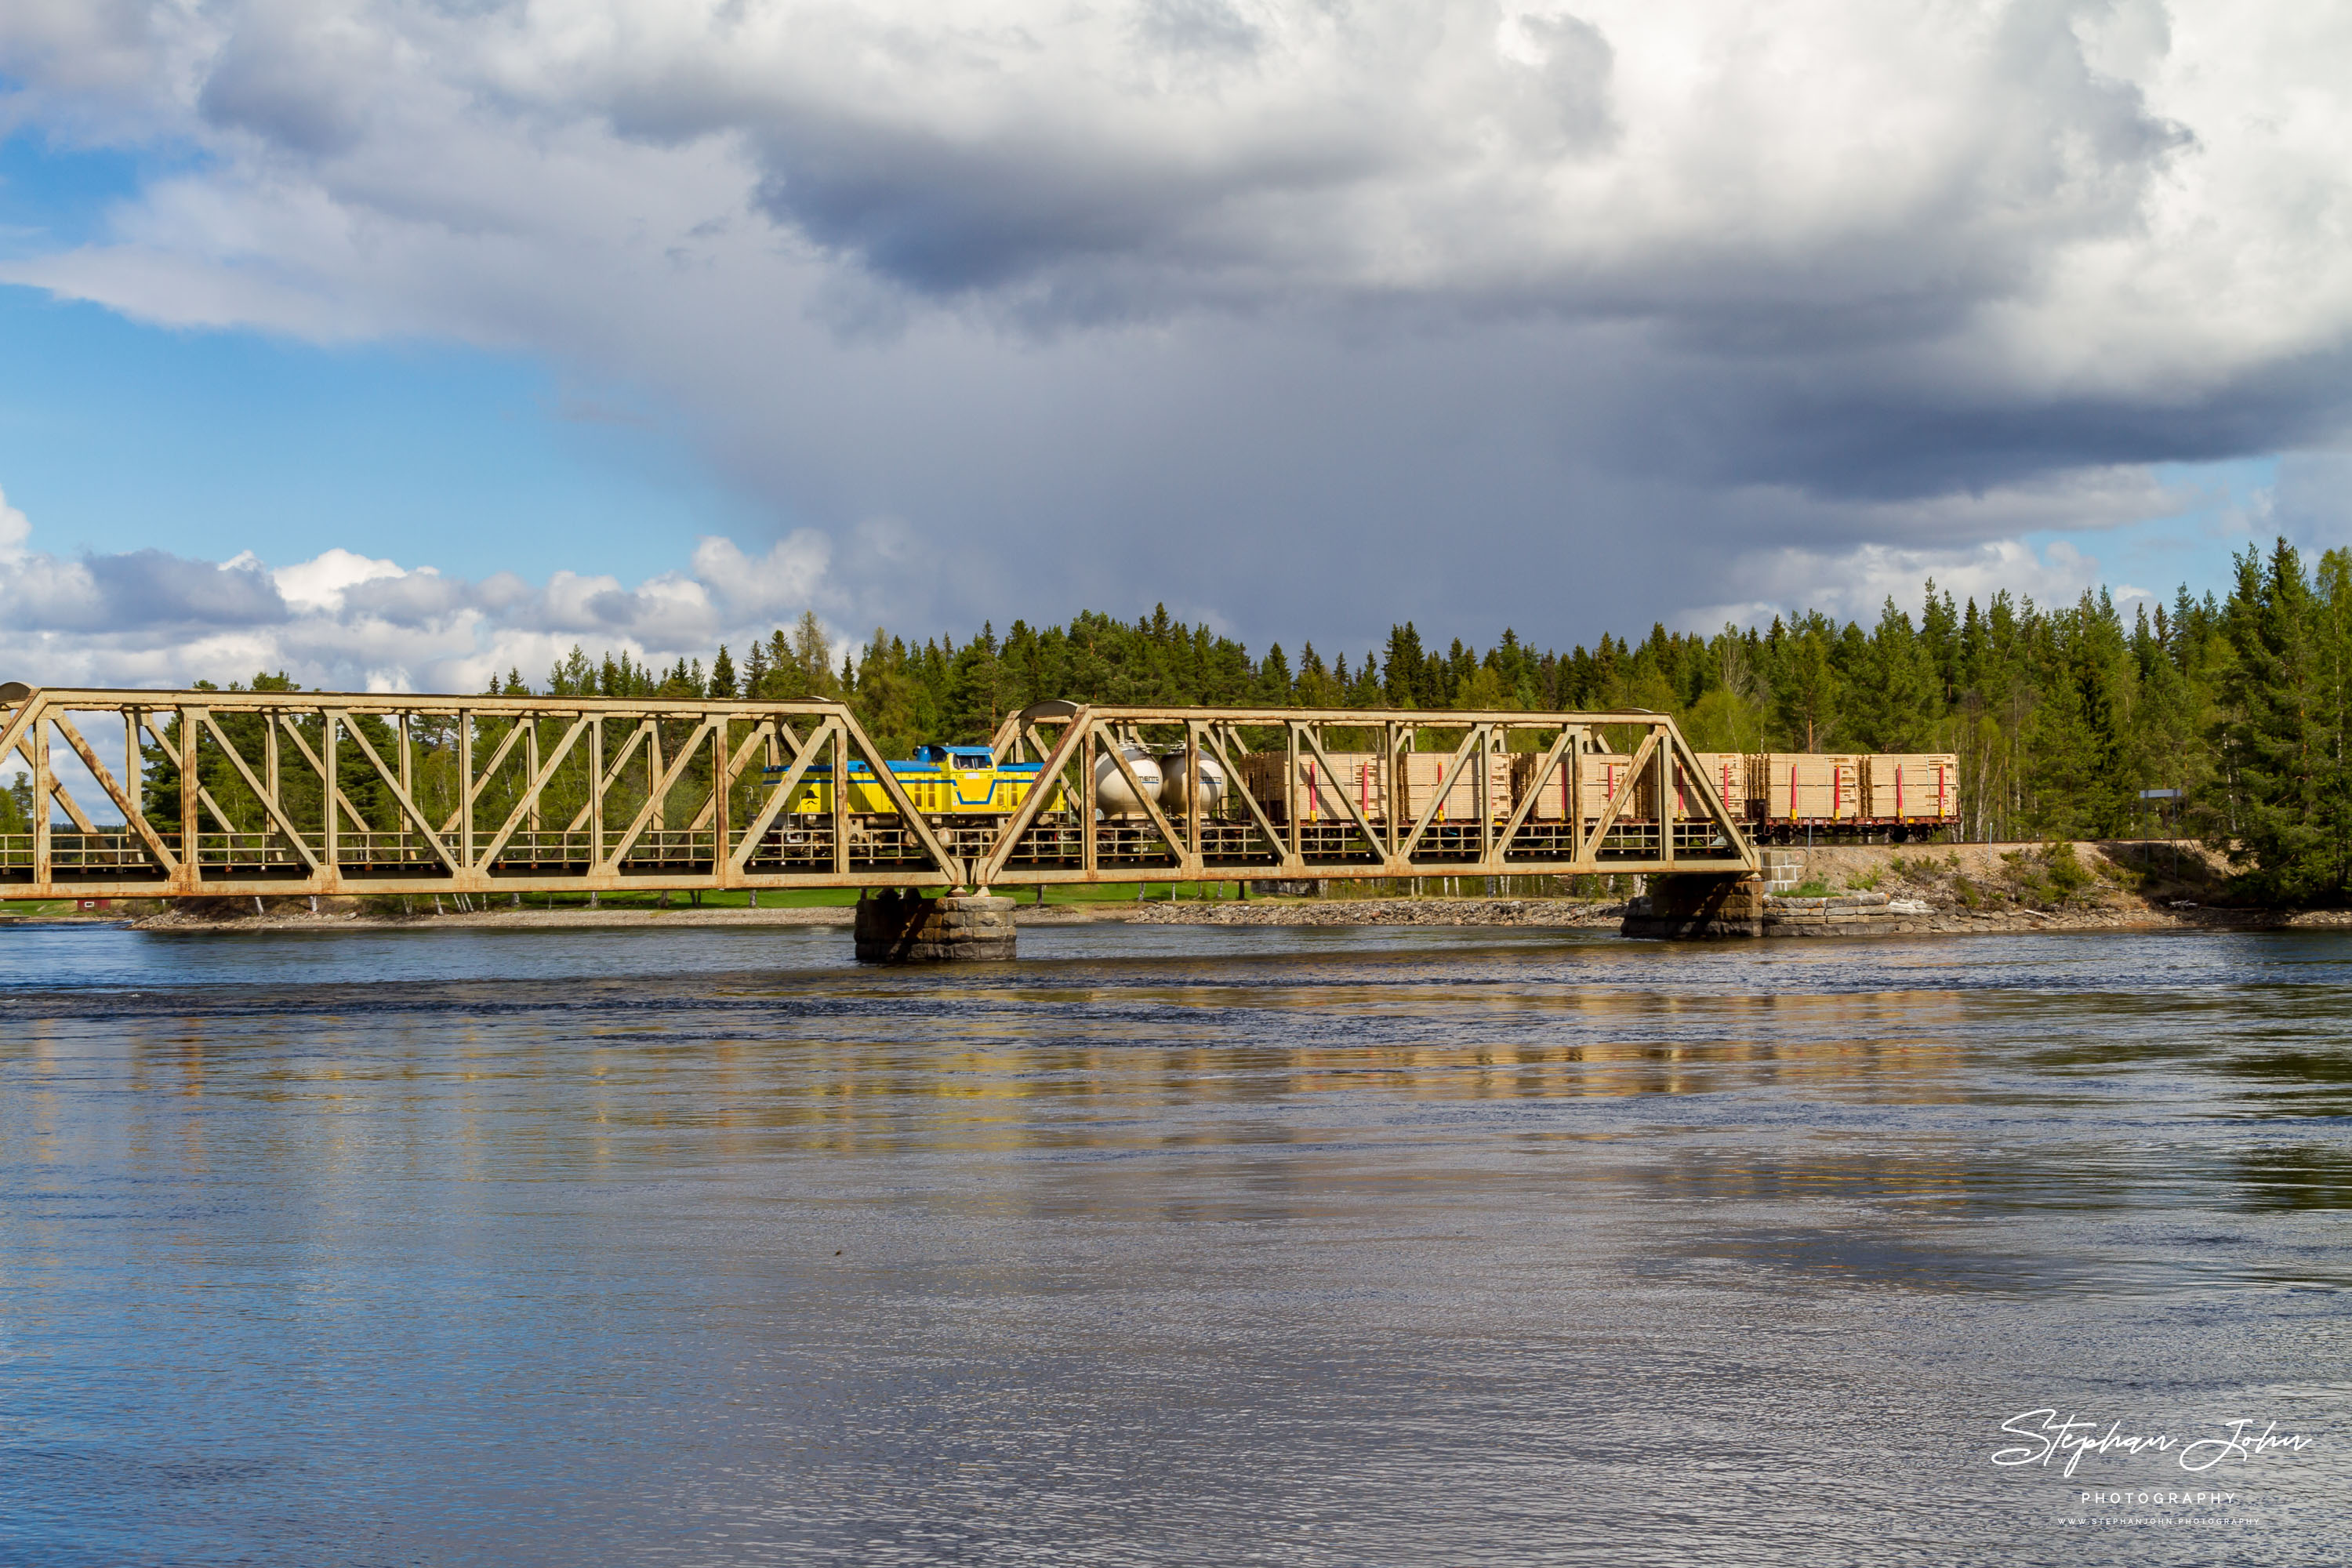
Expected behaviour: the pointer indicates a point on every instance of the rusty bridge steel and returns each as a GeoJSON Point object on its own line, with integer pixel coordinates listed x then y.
{"type": "Point", "coordinates": [485, 827]}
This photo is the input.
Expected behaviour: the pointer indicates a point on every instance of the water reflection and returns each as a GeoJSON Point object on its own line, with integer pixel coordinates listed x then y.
{"type": "Point", "coordinates": [1384, 1246]}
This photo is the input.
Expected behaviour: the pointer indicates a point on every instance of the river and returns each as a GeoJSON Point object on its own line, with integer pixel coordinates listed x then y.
{"type": "Point", "coordinates": [1169, 1244]}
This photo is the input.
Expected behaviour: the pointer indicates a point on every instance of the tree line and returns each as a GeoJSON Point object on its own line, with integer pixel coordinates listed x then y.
{"type": "Point", "coordinates": [2063, 716]}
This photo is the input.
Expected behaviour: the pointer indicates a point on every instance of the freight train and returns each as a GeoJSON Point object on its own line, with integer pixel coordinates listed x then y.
{"type": "Point", "coordinates": [1774, 796]}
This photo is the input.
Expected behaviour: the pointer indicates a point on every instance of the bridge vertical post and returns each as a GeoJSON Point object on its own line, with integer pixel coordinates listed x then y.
{"type": "Point", "coordinates": [1666, 802]}
{"type": "Point", "coordinates": [1296, 857]}
{"type": "Point", "coordinates": [43, 849]}
{"type": "Point", "coordinates": [654, 791]}
{"type": "Point", "coordinates": [1488, 850]}
{"type": "Point", "coordinates": [464, 786]}
{"type": "Point", "coordinates": [1088, 857]}
{"type": "Point", "coordinates": [596, 794]}
{"type": "Point", "coordinates": [1572, 793]}
{"type": "Point", "coordinates": [530, 775]}
{"type": "Point", "coordinates": [722, 803]}
{"type": "Point", "coordinates": [134, 774]}
{"type": "Point", "coordinates": [328, 795]}
{"type": "Point", "coordinates": [839, 740]}
{"type": "Point", "coordinates": [1386, 766]}
{"type": "Point", "coordinates": [1193, 796]}
{"type": "Point", "coordinates": [191, 824]}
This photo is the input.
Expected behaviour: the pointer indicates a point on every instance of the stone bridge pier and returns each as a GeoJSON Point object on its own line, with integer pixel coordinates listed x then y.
{"type": "Point", "coordinates": [1680, 905]}
{"type": "Point", "coordinates": [899, 925]}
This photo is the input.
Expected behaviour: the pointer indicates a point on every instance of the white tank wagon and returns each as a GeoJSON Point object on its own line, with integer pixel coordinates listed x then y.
{"type": "Point", "coordinates": [1114, 797]}
{"type": "Point", "coordinates": [1175, 794]}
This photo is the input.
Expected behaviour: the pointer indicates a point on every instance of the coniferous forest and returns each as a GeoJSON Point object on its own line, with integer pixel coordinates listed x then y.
{"type": "Point", "coordinates": [2061, 716]}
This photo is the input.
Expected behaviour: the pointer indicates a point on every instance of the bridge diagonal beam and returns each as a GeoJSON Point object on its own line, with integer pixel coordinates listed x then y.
{"type": "Point", "coordinates": [73, 813]}
{"type": "Point", "coordinates": [528, 802]}
{"type": "Point", "coordinates": [1718, 811]}
{"type": "Point", "coordinates": [804, 758]}
{"type": "Point", "coordinates": [1618, 798]}
{"type": "Point", "coordinates": [165, 859]}
{"type": "Point", "coordinates": [662, 786]}
{"type": "Point", "coordinates": [268, 798]}
{"type": "Point", "coordinates": [475, 786]}
{"type": "Point", "coordinates": [946, 862]}
{"type": "Point", "coordinates": [1274, 836]}
{"type": "Point", "coordinates": [219, 816]}
{"type": "Point", "coordinates": [1177, 848]}
{"type": "Point", "coordinates": [1462, 754]}
{"type": "Point", "coordinates": [19, 726]}
{"type": "Point", "coordinates": [336, 796]}
{"type": "Point", "coordinates": [1311, 741]}
{"type": "Point", "coordinates": [1050, 780]}
{"type": "Point", "coordinates": [739, 759]}
{"type": "Point", "coordinates": [398, 790]}
{"type": "Point", "coordinates": [611, 777]}
{"type": "Point", "coordinates": [1553, 754]}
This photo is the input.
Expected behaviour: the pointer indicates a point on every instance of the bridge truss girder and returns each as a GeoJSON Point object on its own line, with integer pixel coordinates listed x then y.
{"type": "Point", "coordinates": [339, 793]}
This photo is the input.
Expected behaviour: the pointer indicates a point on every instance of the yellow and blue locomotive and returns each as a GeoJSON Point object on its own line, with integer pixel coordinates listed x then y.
{"type": "Point", "coordinates": [941, 781]}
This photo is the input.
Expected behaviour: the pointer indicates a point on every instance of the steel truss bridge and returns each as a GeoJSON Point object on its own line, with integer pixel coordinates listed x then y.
{"type": "Point", "coordinates": [243, 794]}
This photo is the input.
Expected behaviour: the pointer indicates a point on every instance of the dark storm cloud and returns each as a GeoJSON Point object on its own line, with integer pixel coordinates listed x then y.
{"type": "Point", "coordinates": [1301, 317]}
{"type": "Point", "coordinates": [279, 84]}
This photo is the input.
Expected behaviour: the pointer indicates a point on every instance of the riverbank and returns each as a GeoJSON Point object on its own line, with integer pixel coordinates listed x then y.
{"type": "Point", "coordinates": [1965, 889]}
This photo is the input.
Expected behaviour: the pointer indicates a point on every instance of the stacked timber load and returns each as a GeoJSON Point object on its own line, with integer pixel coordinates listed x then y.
{"type": "Point", "coordinates": [1807, 786]}
{"type": "Point", "coordinates": [1602, 772]}
{"type": "Point", "coordinates": [1910, 786]}
{"type": "Point", "coordinates": [1551, 805]}
{"type": "Point", "coordinates": [1726, 773]}
{"type": "Point", "coordinates": [1358, 778]}
{"type": "Point", "coordinates": [1604, 776]}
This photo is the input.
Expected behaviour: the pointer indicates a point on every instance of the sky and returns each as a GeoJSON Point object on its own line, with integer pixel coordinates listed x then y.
{"type": "Point", "coordinates": [397, 343]}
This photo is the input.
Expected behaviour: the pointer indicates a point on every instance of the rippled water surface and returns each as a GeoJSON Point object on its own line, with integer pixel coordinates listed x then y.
{"type": "Point", "coordinates": [1166, 1244]}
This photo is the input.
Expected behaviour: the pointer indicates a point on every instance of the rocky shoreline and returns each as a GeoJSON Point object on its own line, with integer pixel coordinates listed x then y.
{"type": "Point", "coordinates": [1563, 915]}
{"type": "Point", "coordinates": [1850, 890]}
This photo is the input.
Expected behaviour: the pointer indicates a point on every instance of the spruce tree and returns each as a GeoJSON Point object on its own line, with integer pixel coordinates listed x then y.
{"type": "Point", "coordinates": [2277, 810]}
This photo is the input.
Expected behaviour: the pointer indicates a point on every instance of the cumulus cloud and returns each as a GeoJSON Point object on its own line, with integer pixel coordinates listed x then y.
{"type": "Point", "coordinates": [1313, 315]}
{"type": "Point", "coordinates": [322, 582]}
{"type": "Point", "coordinates": [342, 621]}
{"type": "Point", "coordinates": [15, 529]}
{"type": "Point", "coordinates": [789, 576]}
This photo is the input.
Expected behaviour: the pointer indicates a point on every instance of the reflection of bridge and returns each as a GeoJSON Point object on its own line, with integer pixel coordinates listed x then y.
{"type": "Point", "coordinates": [243, 793]}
